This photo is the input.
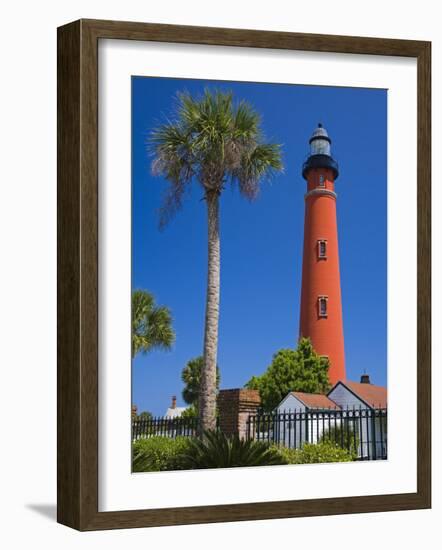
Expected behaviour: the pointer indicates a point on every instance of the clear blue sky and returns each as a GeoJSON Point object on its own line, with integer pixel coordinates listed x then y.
{"type": "Point", "coordinates": [261, 242]}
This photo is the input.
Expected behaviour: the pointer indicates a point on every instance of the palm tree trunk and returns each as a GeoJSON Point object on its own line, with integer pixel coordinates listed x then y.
{"type": "Point", "coordinates": [207, 399]}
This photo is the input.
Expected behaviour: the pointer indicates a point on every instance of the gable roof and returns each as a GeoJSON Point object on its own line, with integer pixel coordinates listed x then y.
{"type": "Point", "coordinates": [371, 395]}
{"type": "Point", "coordinates": [315, 400]}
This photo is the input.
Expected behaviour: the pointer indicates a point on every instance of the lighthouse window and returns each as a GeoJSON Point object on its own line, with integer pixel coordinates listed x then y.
{"type": "Point", "coordinates": [321, 181]}
{"type": "Point", "coordinates": [322, 249]}
{"type": "Point", "coordinates": [322, 306]}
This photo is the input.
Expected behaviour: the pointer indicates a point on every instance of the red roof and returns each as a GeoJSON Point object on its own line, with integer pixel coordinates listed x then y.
{"type": "Point", "coordinates": [374, 396]}
{"type": "Point", "coordinates": [315, 400]}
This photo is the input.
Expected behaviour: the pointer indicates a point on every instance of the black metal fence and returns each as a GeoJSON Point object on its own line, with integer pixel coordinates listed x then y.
{"type": "Point", "coordinates": [143, 428]}
{"type": "Point", "coordinates": [361, 431]}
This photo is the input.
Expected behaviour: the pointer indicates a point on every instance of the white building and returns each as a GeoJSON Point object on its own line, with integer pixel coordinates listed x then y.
{"type": "Point", "coordinates": [359, 394]}
{"type": "Point", "coordinates": [173, 411]}
{"type": "Point", "coordinates": [302, 418]}
{"type": "Point", "coordinates": [356, 411]}
{"type": "Point", "coordinates": [366, 406]}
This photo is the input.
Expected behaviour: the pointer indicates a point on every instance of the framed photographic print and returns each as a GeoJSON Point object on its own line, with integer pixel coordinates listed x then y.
{"type": "Point", "coordinates": [243, 275]}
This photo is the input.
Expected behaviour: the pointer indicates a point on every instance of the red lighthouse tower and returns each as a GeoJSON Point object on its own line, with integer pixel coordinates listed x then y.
{"type": "Point", "coordinates": [321, 308]}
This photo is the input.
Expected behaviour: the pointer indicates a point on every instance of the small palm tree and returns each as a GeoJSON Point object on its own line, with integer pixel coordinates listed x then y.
{"type": "Point", "coordinates": [215, 142]}
{"type": "Point", "coordinates": [191, 376]}
{"type": "Point", "coordinates": [151, 324]}
{"type": "Point", "coordinates": [216, 450]}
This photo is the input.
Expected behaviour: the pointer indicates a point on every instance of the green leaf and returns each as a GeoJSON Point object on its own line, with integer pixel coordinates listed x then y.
{"type": "Point", "coordinates": [151, 324]}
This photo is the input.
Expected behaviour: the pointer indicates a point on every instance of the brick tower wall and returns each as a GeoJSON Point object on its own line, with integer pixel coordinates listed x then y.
{"type": "Point", "coordinates": [321, 277]}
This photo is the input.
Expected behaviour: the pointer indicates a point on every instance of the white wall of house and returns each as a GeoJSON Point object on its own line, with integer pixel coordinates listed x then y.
{"type": "Point", "coordinates": [292, 429]}
{"type": "Point", "coordinates": [345, 398]}
{"type": "Point", "coordinates": [297, 428]}
{"type": "Point", "coordinates": [306, 426]}
{"type": "Point", "coordinates": [363, 426]}
{"type": "Point", "coordinates": [320, 424]}
{"type": "Point", "coordinates": [290, 403]}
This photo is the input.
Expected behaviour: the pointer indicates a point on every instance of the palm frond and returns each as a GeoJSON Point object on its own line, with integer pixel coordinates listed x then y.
{"type": "Point", "coordinates": [172, 151]}
{"type": "Point", "coordinates": [214, 140]}
{"type": "Point", "coordinates": [259, 163]}
{"type": "Point", "coordinates": [247, 122]}
{"type": "Point", "coordinates": [151, 325]}
{"type": "Point", "coordinates": [216, 450]}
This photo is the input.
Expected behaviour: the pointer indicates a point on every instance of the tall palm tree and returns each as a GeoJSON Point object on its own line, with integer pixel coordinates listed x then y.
{"type": "Point", "coordinates": [151, 324]}
{"type": "Point", "coordinates": [215, 142]}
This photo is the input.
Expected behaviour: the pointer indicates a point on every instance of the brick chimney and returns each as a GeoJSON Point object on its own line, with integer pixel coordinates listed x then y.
{"type": "Point", "coordinates": [173, 405]}
{"type": "Point", "coordinates": [235, 406]}
{"type": "Point", "coordinates": [365, 379]}
{"type": "Point", "coordinates": [134, 411]}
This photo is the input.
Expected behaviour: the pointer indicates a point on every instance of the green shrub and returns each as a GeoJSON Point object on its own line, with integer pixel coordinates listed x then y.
{"type": "Point", "coordinates": [190, 412]}
{"type": "Point", "coordinates": [319, 453]}
{"type": "Point", "coordinates": [216, 450]}
{"type": "Point", "coordinates": [156, 454]}
{"type": "Point", "coordinates": [343, 436]}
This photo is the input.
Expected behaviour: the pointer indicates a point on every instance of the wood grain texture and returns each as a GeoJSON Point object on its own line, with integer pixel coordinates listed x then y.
{"type": "Point", "coordinates": [68, 276]}
{"type": "Point", "coordinates": [77, 225]}
{"type": "Point", "coordinates": [252, 38]}
{"type": "Point", "coordinates": [424, 273]}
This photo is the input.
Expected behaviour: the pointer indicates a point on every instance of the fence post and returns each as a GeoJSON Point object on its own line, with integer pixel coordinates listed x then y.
{"type": "Point", "coordinates": [381, 429]}
{"type": "Point", "coordinates": [306, 426]}
{"type": "Point", "coordinates": [373, 432]}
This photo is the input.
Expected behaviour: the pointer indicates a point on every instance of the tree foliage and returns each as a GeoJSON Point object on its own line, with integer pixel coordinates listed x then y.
{"type": "Point", "coordinates": [145, 415]}
{"type": "Point", "coordinates": [215, 141]}
{"type": "Point", "coordinates": [191, 377]}
{"type": "Point", "coordinates": [151, 324]}
{"type": "Point", "coordinates": [190, 412]}
{"type": "Point", "coordinates": [301, 369]}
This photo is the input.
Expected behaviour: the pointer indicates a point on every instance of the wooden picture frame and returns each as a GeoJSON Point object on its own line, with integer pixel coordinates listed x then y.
{"type": "Point", "coordinates": [78, 274]}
